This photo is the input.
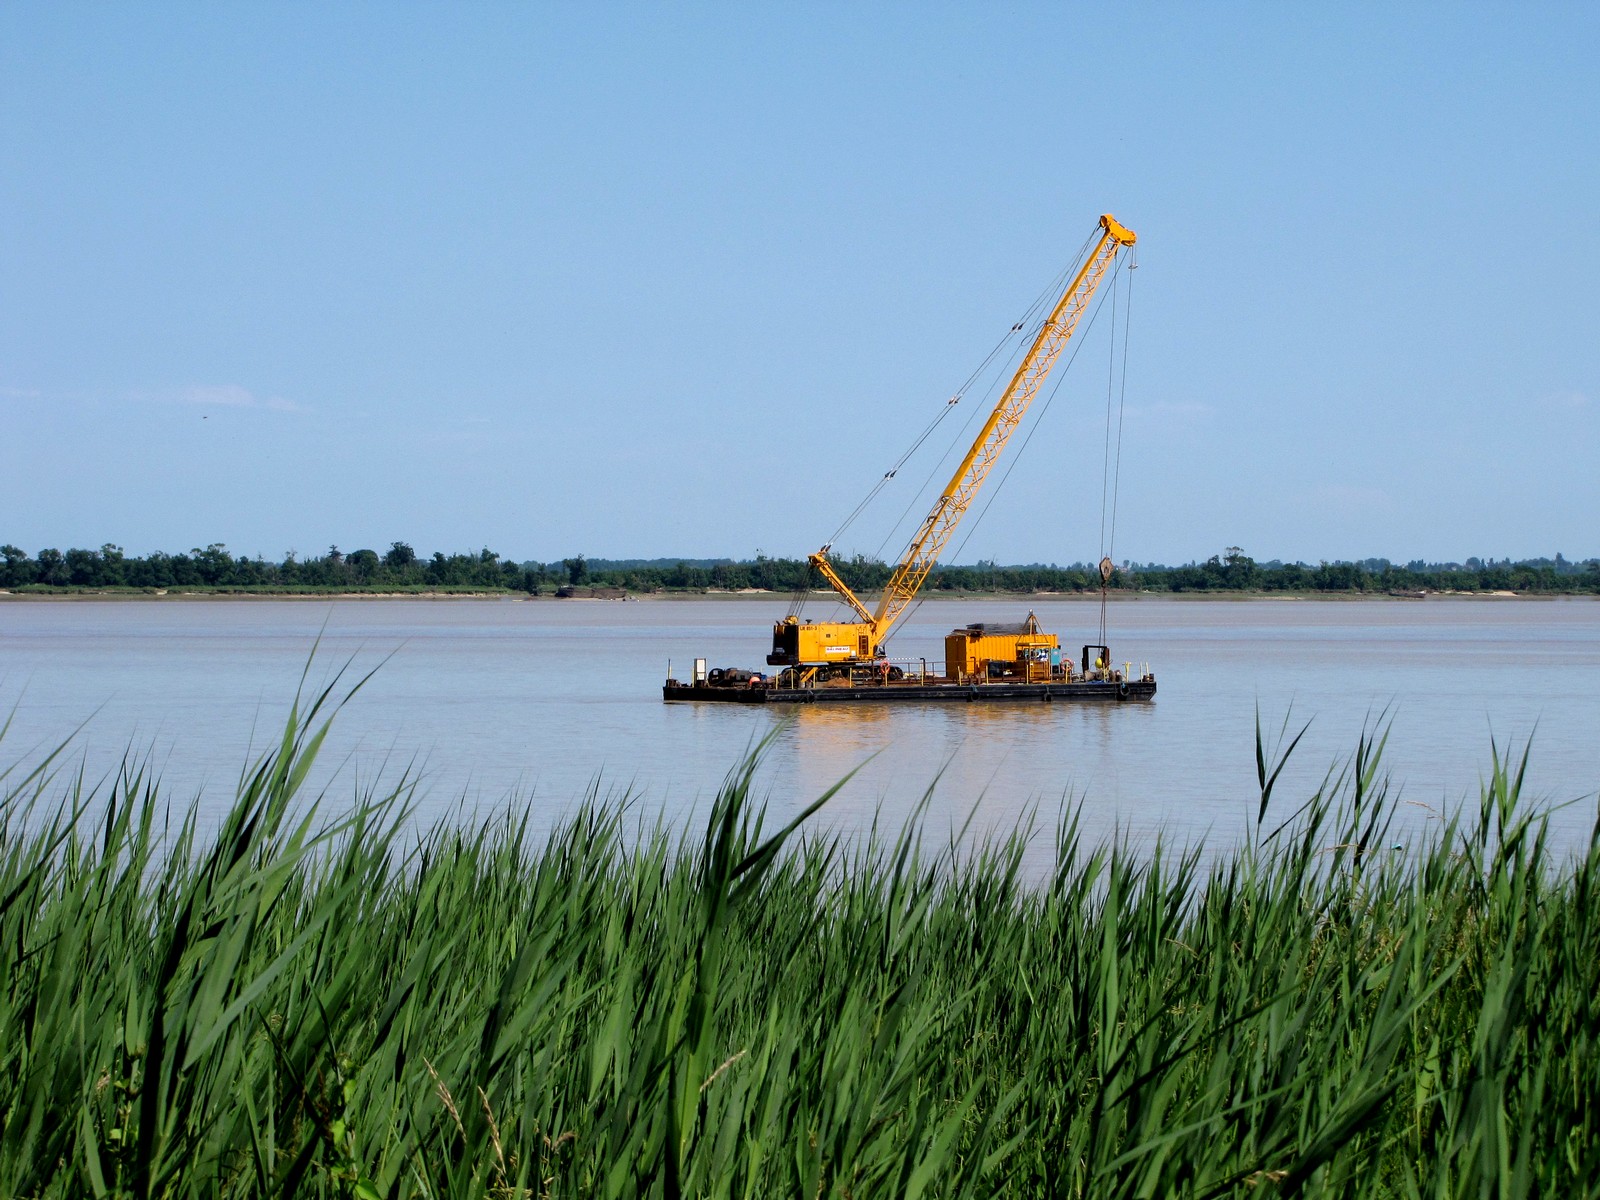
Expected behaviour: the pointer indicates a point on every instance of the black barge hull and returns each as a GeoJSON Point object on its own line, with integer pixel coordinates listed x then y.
{"type": "Point", "coordinates": [1097, 691]}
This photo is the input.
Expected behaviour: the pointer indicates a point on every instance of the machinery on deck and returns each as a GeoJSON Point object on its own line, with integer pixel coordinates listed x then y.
{"type": "Point", "coordinates": [1011, 661]}
{"type": "Point", "coordinates": [834, 648]}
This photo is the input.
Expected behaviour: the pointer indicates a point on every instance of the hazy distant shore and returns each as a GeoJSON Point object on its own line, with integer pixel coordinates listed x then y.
{"type": "Point", "coordinates": [135, 595]}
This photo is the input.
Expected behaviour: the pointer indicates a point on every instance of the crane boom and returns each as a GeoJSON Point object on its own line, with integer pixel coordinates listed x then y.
{"type": "Point", "coordinates": [860, 641]}
{"type": "Point", "coordinates": [958, 495]}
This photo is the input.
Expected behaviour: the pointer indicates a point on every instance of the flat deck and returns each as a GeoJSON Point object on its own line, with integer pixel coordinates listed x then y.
{"type": "Point", "coordinates": [913, 692]}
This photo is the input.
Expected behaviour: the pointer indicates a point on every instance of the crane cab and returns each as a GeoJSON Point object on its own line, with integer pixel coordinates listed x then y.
{"type": "Point", "coordinates": [804, 644]}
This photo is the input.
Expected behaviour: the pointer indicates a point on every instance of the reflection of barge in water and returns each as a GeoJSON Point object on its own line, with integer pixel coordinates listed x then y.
{"type": "Point", "coordinates": [1038, 680]}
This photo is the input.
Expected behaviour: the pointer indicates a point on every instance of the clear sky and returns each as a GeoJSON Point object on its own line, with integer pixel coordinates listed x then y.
{"type": "Point", "coordinates": [653, 280]}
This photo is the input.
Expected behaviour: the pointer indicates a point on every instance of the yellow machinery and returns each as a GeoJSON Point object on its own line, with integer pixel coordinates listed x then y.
{"type": "Point", "coordinates": [1018, 652]}
{"type": "Point", "coordinates": [822, 646]}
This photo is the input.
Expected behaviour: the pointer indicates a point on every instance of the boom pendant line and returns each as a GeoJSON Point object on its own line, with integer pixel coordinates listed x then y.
{"type": "Point", "coordinates": [974, 469]}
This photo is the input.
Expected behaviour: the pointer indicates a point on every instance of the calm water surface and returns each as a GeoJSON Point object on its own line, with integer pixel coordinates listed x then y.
{"type": "Point", "coordinates": [530, 703]}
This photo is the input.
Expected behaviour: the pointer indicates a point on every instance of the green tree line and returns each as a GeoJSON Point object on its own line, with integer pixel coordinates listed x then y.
{"type": "Point", "coordinates": [214, 568]}
{"type": "Point", "coordinates": [1234, 571]}
{"type": "Point", "coordinates": [401, 569]}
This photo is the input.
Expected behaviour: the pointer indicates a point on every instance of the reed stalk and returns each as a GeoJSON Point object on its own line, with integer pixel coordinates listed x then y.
{"type": "Point", "coordinates": [325, 1000]}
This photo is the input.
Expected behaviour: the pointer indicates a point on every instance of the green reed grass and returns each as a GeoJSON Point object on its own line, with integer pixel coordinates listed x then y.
{"type": "Point", "coordinates": [293, 1004]}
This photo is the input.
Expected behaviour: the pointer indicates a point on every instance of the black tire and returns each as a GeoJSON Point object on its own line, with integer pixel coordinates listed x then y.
{"type": "Point", "coordinates": [1122, 691]}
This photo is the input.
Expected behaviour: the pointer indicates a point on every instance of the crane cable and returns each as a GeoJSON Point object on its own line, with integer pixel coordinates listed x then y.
{"type": "Point", "coordinates": [1111, 475]}
{"type": "Point", "coordinates": [798, 600]}
{"type": "Point", "coordinates": [1022, 329]}
{"type": "Point", "coordinates": [939, 465]}
{"type": "Point", "coordinates": [1029, 327]}
{"type": "Point", "coordinates": [1033, 428]}
{"type": "Point", "coordinates": [1105, 454]}
{"type": "Point", "coordinates": [1122, 404]}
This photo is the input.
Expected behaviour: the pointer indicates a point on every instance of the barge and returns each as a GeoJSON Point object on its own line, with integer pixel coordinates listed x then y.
{"type": "Point", "coordinates": [912, 691]}
{"type": "Point", "coordinates": [1034, 676]}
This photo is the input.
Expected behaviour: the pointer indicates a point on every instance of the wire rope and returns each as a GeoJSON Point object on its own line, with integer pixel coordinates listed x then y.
{"type": "Point", "coordinates": [1105, 454]}
{"type": "Point", "coordinates": [1025, 328]}
{"type": "Point", "coordinates": [1029, 328]}
{"type": "Point", "coordinates": [1109, 548]}
{"type": "Point", "coordinates": [960, 438]}
{"type": "Point", "coordinates": [955, 399]}
{"type": "Point", "coordinates": [1122, 407]}
{"type": "Point", "coordinates": [1033, 428]}
{"type": "Point", "coordinates": [1105, 460]}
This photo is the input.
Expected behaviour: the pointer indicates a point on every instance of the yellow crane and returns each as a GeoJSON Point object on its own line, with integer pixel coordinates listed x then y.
{"type": "Point", "coordinates": [811, 646]}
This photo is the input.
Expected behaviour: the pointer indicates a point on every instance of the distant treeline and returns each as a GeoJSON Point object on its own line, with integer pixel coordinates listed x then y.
{"type": "Point", "coordinates": [400, 568]}
{"type": "Point", "coordinates": [214, 568]}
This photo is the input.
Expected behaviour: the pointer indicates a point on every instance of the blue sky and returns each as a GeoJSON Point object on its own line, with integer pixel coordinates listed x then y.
{"type": "Point", "coordinates": [656, 280]}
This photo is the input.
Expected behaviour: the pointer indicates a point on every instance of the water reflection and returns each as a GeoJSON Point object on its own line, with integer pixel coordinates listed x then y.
{"type": "Point", "coordinates": [987, 761]}
{"type": "Point", "coordinates": [544, 696]}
